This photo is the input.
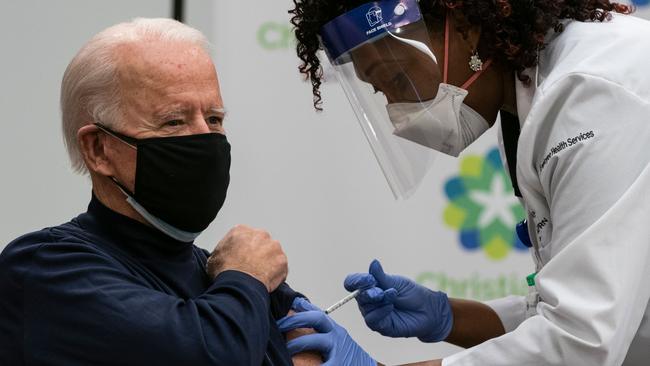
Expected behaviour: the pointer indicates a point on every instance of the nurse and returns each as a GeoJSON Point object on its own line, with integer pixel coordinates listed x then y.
{"type": "Point", "coordinates": [570, 81]}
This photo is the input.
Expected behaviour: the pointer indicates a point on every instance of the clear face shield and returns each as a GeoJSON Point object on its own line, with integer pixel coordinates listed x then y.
{"type": "Point", "coordinates": [383, 58]}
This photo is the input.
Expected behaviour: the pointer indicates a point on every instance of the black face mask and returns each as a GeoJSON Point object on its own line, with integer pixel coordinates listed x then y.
{"type": "Point", "coordinates": [181, 180]}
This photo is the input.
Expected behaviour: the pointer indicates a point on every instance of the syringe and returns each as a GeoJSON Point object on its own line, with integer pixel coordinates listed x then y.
{"type": "Point", "coordinates": [343, 301]}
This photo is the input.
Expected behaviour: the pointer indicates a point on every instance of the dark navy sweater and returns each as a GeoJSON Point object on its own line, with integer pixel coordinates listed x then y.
{"type": "Point", "coordinates": [104, 289]}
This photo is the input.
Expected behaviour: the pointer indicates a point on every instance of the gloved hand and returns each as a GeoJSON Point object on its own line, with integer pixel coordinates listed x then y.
{"type": "Point", "coordinates": [332, 340]}
{"type": "Point", "coordinates": [395, 306]}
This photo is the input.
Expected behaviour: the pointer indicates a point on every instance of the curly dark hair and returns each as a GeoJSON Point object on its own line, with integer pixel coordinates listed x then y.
{"type": "Point", "coordinates": [515, 29]}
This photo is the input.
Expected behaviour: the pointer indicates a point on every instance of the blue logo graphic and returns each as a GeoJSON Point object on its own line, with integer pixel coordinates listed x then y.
{"type": "Point", "coordinates": [483, 207]}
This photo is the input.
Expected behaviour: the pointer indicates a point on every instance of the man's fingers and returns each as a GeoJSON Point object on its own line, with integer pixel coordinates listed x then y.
{"type": "Point", "coordinates": [312, 342]}
{"type": "Point", "coordinates": [317, 320]}
{"type": "Point", "coordinates": [252, 251]}
{"type": "Point", "coordinates": [239, 229]}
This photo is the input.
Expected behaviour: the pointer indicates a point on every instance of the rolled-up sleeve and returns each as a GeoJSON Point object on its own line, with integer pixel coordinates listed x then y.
{"type": "Point", "coordinates": [511, 310]}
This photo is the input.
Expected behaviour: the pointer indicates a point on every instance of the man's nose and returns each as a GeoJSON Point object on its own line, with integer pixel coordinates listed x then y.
{"type": "Point", "coordinates": [200, 126]}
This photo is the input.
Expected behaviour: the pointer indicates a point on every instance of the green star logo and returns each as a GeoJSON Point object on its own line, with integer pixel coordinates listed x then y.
{"type": "Point", "coordinates": [482, 206]}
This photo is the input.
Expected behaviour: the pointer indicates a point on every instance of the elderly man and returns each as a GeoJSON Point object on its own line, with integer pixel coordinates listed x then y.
{"type": "Point", "coordinates": [122, 284]}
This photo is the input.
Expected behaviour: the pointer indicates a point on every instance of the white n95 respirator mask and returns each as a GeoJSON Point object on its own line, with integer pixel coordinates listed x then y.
{"type": "Point", "coordinates": [445, 124]}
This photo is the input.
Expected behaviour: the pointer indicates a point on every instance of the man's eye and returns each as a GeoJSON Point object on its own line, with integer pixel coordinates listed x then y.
{"type": "Point", "coordinates": [214, 120]}
{"type": "Point", "coordinates": [174, 123]}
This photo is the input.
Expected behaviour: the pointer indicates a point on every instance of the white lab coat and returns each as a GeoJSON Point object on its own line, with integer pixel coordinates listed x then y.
{"type": "Point", "coordinates": [583, 170]}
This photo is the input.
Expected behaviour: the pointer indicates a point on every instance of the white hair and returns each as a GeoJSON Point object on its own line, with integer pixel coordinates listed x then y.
{"type": "Point", "coordinates": [89, 89]}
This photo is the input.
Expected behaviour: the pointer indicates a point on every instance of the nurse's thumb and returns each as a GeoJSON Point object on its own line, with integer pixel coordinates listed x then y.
{"type": "Point", "coordinates": [384, 281]}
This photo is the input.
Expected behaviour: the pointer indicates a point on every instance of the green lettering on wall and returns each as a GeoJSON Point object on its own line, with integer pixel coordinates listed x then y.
{"type": "Point", "coordinates": [475, 286]}
{"type": "Point", "coordinates": [275, 36]}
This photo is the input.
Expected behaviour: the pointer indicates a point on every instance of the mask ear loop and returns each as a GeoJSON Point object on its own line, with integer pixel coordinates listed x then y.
{"type": "Point", "coordinates": [476, 74]}
{"type": "Point", "coordinates": [129, 141]}
{"type": "Point", "coordinates": [122, 188]}
{"type": "Point", "coordinates": [445, 71]}
{"type": "Point", "coordinates": [122, 139]}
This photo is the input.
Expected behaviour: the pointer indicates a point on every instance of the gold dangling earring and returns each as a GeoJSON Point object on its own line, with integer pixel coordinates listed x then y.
{"type": "Point", "coordinates": [475, 62]}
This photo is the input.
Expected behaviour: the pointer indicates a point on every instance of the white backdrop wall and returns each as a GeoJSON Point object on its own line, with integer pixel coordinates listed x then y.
{"type": "Point", "coordinates": [309, 178]}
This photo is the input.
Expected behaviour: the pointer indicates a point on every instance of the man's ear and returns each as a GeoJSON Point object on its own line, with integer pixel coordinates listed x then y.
{"type": "Point", "coordinates": [92, 145]}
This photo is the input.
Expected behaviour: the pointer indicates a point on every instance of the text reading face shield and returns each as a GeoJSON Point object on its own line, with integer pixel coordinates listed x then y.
{"type": "Point", "coordinates": [383, 57]}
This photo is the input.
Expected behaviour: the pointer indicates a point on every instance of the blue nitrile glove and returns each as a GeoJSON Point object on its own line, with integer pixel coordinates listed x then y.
{"type": "Point", "coordinates": [332, 340]}
{"type": "Point", "coordinates": [395, 306]}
